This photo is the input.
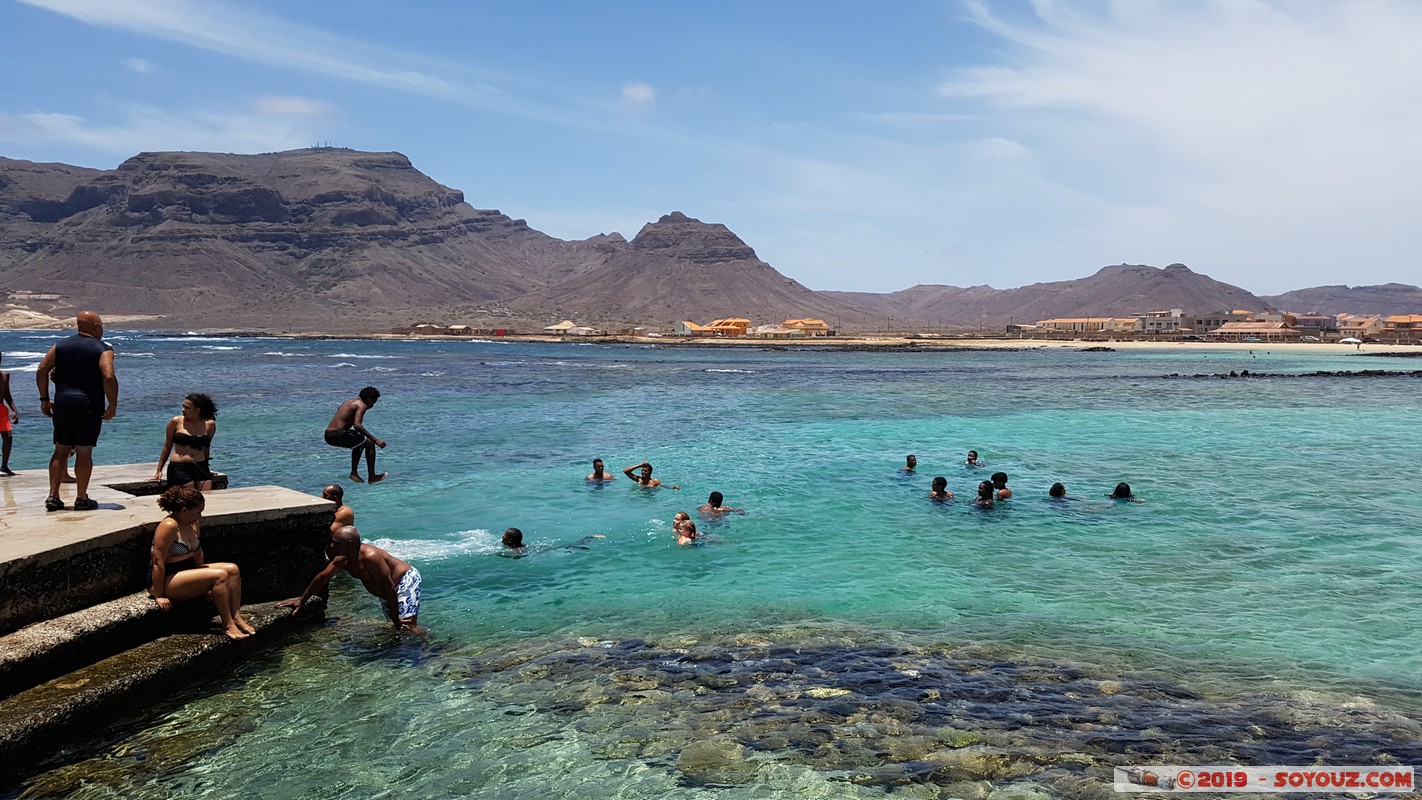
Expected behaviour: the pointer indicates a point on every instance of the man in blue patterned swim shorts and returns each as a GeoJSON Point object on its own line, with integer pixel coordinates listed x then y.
{"type": "Point", "coordinates": [394, 582]}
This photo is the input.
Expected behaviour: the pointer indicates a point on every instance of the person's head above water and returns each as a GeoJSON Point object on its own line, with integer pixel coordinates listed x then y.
{"type": "Point", "coordinates": [334, 493]}
{"type": "Point", "coordinates": [972, 457]}
{"type": "Point", "coordinates": [715, 500]}
{"type": "Point", "coordinates": [1122, 492]}
{"type": "Point", "coordinates": [513, 537]}
{"type": "Point", "coordinates": [369, 395]}
{"type": "Point", "coordinates": [986, 492]}
{"type": "Point", "coordinates": [911, 461]}
{"type": "Point", "coordinates": [597, 466]}
{"type": "Point", "coordinates": [999, 479]}
{"type": "Point", "coordinates": [940, 485]}
{"type": "Point", "coordinates": [1057, 490]}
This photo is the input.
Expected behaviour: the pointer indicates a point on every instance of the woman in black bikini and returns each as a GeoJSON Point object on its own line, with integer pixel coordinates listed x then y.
{"type": "Point", "coordinates": [179, 571]}
{"type": "Point", "coordinates": [189, 440]}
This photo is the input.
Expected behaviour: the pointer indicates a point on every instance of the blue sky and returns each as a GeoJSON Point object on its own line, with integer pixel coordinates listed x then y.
{"type": "Point", "coordinates": [857, 146]}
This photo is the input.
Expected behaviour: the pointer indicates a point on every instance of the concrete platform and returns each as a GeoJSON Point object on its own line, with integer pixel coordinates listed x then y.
{"type": "Point", "coordinates": [80, 641]}
{"type": "Point", "coordinates": [54, 563]}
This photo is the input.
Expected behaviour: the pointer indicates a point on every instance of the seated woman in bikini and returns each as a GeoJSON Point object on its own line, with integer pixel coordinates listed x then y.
{"type": "Point", "coordinates": [189, 440]}
{"type": "Point", "coordinates": [179, 571]}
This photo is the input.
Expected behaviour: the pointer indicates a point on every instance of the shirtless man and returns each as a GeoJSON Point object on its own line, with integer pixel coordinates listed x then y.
{"type": "Point", "coordinates": [713, 508]}
{"type": "Point", "coordinates": [395, 583]}
{"type": "Point", "coordinates": [347, 430]}
{"type": "Point", "coordinates": [645, 480]}
{"type": "Point", "coordinates": [599, 474]}
{"type": "Point", "coordinates": [345, 515]}
{"type": "Point", "coordinates": [910, 464]}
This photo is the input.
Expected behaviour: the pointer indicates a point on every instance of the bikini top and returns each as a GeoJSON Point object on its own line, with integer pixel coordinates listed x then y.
{"type": "Point", "coordinates": [188, 440]}
{"type": "Point", "coordinates": [180, 547]}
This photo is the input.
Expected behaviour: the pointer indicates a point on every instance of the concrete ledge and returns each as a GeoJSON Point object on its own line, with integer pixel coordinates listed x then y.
{"type": "Point", "coordinates": [55, 717]}
{"type": "Point", "coordinates": [55, 564]}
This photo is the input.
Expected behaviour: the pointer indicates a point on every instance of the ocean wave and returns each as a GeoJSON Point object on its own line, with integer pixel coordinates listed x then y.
{"type": "Point", "coordinates": [433, 374]}
{"type": "Point", "coordinates": [383, 369]}
{"type": "Point", "coordinates": [356, 355]}
{"type": "Point", "coordinates": [342, 364]}
{"type": "Point", "coordinates": [25, 368]}
{"type": "Point", "coordinates": [139, 355]}
{"type": "Point", "coordinates": [737, 371]}
{"type": "Point", "coordinates": [221, 347]}
{"type": "Point", "coordinates": [280, 354]}
{"type": "Point", "coordinates": [467, 542]}
{"type": "Point", "coordinates": [186, 339]}
{"type": "Point", "coordinates": [25, 354]}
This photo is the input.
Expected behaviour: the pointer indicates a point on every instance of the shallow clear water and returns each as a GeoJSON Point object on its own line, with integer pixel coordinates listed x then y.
{"type": "Point", "coordinates": [1275, 552]}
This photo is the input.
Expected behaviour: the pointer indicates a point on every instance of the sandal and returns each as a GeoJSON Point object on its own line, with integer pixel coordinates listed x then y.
{"type": "Point", "coordinates": [53, 503]}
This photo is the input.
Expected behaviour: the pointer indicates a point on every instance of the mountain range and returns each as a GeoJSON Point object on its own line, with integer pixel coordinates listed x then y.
{"type": "Point", "coordinates": [342, 240]}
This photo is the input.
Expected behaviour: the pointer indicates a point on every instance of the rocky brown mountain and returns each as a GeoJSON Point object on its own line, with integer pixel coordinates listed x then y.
{"type": "Point", "coordinates": [317, 238]}
{"type": "Point", "coordinates": [1115, 290]}
{"type": "Point", "coordinates": [1386, 299]}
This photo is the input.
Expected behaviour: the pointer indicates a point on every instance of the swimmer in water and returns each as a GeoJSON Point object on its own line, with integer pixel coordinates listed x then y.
{"type": "Point", "coordinates": [986, 495]}
{"type": "Point", "coordinates": [973, 461]}
{"type": "Point", "coordinates": [940, 489]}
{"type": "Point", "coordinates": [678, 520]}
{"type": "Point", "coordinates": [1123, 492]}
{"type": "Point", "coordinates": [1058, 492]}
{"type": "Point", "coordinates": [645, 479]}
{"type": "Point", "coordinates": [713, 509]}
{"type": "Point", "coordinates": [910, 464]}
{"type": "Point", "coordinates": [515, 548]}
{"type": "Point", "coordinates": [600, 475]}
{"type": "Point", "coordinates": [999, 482]}
{"type": "Point", "coordinates": [686, 534]}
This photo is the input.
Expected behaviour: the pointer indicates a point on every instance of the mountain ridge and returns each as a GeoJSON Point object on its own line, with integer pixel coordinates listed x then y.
{"type": "Point", "coordinates": [328, 238]}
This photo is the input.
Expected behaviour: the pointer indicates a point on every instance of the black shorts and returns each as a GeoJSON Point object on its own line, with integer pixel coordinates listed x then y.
{"type": "Point", "coordinates": [182, 473]}
{"type": "Point", "coordinates": [348, 438]}
{"type": "Point", "coordinates": [76, 424]}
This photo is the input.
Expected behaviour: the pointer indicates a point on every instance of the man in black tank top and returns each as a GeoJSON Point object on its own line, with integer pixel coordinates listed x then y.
{"type": "Point", "coordinates": [85, 394]}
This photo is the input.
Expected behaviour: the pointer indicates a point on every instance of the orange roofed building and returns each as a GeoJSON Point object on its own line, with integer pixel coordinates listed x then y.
{"type": "Point", "coordinates": [808, 326]}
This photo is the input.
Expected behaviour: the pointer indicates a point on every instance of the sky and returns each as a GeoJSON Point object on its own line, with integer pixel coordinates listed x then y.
{"type": "Point", "coordinates": [856, 146]}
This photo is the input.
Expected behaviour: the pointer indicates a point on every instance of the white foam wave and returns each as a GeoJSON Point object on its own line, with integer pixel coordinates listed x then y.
{"type": "Point", "coordinates": [191, 338]}
{"type": "Point", "coordinates": [737, 371]}
{"type": "Point", "coordinates": [280, 354]}
{"type": "Point", "coordinates": [25, 354]}
{"type": "Point", "coordinates": [357, 355]}
{"type": "Point", "coordinates": [383, 369]}
{"type": "Point", "coordinates": [139, 355]}
{"type": "Point", "coordinates": [434, 374]}
{"type": "Point", "coordinates": [220, 347]}
{"type": "Point", "coordinates": [25, 368]}
{"type": "Point", "coordinates": [463, 543]}
{"type": "Point", "coordinates": [342, 364]}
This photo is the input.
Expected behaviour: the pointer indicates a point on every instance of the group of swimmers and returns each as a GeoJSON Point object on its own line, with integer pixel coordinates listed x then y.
{"type": "Point", "coordinates": [682, 524]}
{"type": "Point", "coordinates": [994, 490]}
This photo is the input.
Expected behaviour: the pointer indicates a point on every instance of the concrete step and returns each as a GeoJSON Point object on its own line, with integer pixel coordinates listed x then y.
{"type": "Point", "coordinates": [58, 716]}
{"type": "Point", "coordinates": [48, 649]}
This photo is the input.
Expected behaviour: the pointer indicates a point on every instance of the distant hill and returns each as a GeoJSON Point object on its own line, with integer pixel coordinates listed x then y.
{"type": "Point", "coordinates": [1387, 299]}
{"type": "Point", "coordinates": [1115, 290]}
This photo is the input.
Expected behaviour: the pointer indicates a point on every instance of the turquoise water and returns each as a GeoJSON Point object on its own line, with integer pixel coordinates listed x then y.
{"type": "Point", "coordinates": [1274, 553]}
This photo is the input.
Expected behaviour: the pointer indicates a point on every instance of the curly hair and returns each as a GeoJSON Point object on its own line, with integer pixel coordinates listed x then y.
{"type": "Point", "coordinates": [205, 407]}
{"type": "Point", "coordinates": [180, 498]}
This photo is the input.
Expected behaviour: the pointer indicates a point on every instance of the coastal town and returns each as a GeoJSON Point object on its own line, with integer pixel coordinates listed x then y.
{"type": "Point", "coordinates": [1237, 325]}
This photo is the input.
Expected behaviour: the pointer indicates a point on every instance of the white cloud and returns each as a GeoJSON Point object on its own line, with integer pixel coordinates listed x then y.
{"type": "Point", "coordinates": [1253, 134]}
{"type": "Point", "coordinates": [140, 65]}
{"type": "Point", "coordinates": [247, 34]}
{"type": "Point", "coordinates": [144, 128]}
{"type": "Point", "coordinates": [638, 93]}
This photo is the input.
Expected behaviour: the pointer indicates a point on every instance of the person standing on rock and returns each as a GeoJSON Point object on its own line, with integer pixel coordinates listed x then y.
{"type": "Point", "coordinates": [347, 430]}
{"type": "Point", "coordinates": [85, 394]}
